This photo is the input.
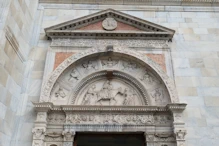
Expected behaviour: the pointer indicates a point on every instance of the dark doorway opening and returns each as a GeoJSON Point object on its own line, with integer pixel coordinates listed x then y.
{"type": "Point", "coordinates": [109, 139]}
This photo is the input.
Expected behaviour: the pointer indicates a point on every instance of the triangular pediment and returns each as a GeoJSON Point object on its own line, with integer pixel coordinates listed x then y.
{"type": "Point", "coordinates": [110, 24]}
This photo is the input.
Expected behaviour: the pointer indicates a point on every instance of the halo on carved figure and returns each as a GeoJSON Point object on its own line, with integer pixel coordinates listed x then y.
{"type": "Point", "coordinates": [141, 58]}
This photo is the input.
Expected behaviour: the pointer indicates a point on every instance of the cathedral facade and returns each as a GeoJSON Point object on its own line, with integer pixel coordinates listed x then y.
{"type": "Point", "coordinates": [95, 72]}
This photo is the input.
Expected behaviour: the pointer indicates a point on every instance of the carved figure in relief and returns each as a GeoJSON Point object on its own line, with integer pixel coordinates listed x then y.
{"type": "Point", "coordinates": [147, 78]}
{"type": "Point", "coordinates": [107, 92]}
{"type": "Point", "coordinates": [60, 93]}
{"type": "Point", "coordinates": [89, 65]}
{"type": "Point", "coordinates": [130, 65]}
{"type": "Point", "coordinates": [109, 95]}
{"type": "Point", "coordinates": [158, 95]}
{"type": "Point", "coordinates": [90, 96]}
{"type": "Point", "coordinates": [109, 62]}
{"type": "Point", "coordinates": [129, 97]}
{"type": "Point", "coordinates": [74, 76]}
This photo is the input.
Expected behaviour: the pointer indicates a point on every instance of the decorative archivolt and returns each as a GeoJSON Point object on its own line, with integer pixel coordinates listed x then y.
{"type": "Point", "coordinates": [106, 64]}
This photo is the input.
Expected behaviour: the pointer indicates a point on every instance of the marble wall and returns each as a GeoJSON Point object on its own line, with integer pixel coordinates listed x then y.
{"type": "Point", "coordinates": [194, 56]}
{"type": "Point", "coordinates": [17, 24]}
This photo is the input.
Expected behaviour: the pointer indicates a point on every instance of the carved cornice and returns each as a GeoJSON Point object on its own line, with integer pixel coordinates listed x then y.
{"type": "Point", "coordinates": [149, 31]}
{"type": "Point", "coordinates": [176, 107]}
{"type": "Point", "coordinates": [137, 2]}
{"type": "Point", "coordinates": [68, 108]}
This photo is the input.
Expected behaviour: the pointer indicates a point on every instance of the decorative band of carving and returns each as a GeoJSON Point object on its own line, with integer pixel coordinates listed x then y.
{"type": "Point", "coordinates": [48, 84]}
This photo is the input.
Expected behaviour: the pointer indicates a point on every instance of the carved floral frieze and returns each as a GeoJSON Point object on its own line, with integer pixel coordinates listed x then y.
{"type": "Point", "coordinates": [91, 42]}
{"type": "Point", "coordinates": [110, 119]}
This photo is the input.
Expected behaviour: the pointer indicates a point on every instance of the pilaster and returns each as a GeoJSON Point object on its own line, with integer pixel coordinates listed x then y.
{"type": "Point", "coordinates": [178, 123]}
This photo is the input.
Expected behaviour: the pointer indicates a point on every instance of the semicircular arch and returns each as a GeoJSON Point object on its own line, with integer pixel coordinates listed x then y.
{"type": "Point", "coordinates": [49, 83]}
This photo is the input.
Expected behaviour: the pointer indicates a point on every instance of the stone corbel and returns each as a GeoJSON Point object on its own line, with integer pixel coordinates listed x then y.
{"type": "Point", "coordinates": [68, 137]}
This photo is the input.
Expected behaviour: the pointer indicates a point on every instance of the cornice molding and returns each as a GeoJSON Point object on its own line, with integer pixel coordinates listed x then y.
{"type": "Point", "coordinates": [148, 30]}
{"type": "Point", "coordinates": [48, 106]}
{"type": "Point", "coordinates": [138, 2]}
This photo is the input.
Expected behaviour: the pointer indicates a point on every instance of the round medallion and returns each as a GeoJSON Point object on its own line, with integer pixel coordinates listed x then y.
{"type": "Point", "coordinates": [109, 24]}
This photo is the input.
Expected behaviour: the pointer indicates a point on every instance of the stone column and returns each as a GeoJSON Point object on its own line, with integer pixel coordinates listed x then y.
{"type": "Point", "coordinates": [68, 137]}
{"type": "Point", "coordinates": [178, 123]}
{"type": "Point", "coordinates": [39, 129]}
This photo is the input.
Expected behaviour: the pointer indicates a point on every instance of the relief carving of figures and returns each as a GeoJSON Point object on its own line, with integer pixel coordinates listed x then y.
{"type": "Point", "coordinates": [90, 96]}
{"type": "Point", "coordinates": [147, 78]}
{"type": "Point", "coordinates": [107, 92]}
{"type": "Point", "coordinates": [39, 132]}
{"type": "Point", "coordinates": [89, 65]}
{"type": "Point", "coordinates": [158, 96]}
{"type": "Point", "coordinates": [129, 97]}
{"type": "Point", "coordinates": [74, 76]}
{"type": "Point", "coordinates": [56, 118]}
{"type": "Point", "coordinates": [59, 92]}
{"type": "Point", "coordinates": [130, 65]}
{"type": "Point", "coordinates": [110, 119]}
{"type": "Point", "coordinates": [109, 62]}
{"type": "Point", "coordinates": [109, 95]}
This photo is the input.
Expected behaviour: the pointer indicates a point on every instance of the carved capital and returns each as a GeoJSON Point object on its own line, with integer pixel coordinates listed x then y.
{"type": "Point", "coordinates": [39, 133]}
{"type": "Point", "coordinates": [68, 135]}
{"type": "Point", "coordinates": [180, 134]}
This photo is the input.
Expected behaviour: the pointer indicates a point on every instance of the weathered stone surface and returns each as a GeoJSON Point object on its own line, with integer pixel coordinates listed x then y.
{"type": "Point", "coordinates": [193, 62]}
